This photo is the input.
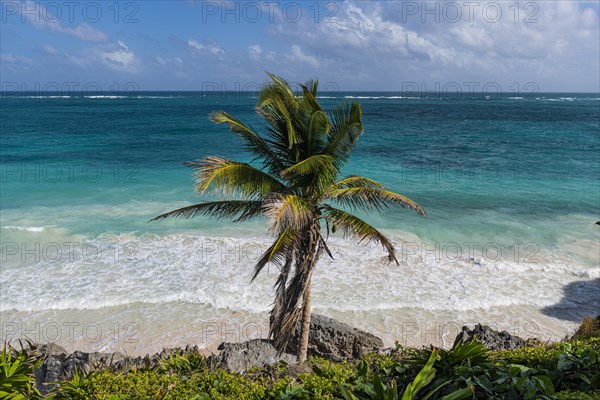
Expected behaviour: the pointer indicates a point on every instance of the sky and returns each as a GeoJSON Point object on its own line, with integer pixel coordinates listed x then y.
{"type": "Point", "coordinates": [467, 46]}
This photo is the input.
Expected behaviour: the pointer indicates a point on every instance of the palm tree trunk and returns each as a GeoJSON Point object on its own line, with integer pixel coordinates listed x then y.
{"type": "Point", "coordinates": [305, 328]}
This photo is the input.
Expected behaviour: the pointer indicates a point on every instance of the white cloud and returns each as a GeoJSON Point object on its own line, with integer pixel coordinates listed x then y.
{"type": "Point", "coordinates": [119, 57]}
{"type": "Point", "coordinates": [50, 50]}
{"type": "Point", "coordinates": [85, 32]}
{"type": "Point", "coordinates": [16, 59]}
{"type": "Point", "coordinates": [211, 48]}
{"type": "Point", "coordinates": [369, 46]}
{"type": "Point", "coordinates": [255, 50]}
{"type": "Point", "coordinates": [36, 14]}
{"type": "Point", "coordinates": [472, 37]}
{"type": "Point", "coordinates": [375, 43]}
{"type": "Point", "coordinates": [298, 55]}
{"type": "Point", "coordinates": [15, 63]}
{"type": "Point", "coordinates": [115, 56]}
{"type": "Point", "coordinates": [168, 61]}
{"type": "Point", "coordinates": [193, 43]}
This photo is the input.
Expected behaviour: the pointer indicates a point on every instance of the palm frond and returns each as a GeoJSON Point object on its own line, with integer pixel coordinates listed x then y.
{"type": "Point", "coordinates": [369, 198]}
{"type": "Point", "coordinates": [282, 87]}
{"type": "Point", "coordinates": [318, 128]}
{"type": "Point", "coordinates": [312, 165]}
{"type": "Point", "coordinates": [306, 254]}
{"type": "Point", "coordinates": [256, 144]}
{"type": "Point", "coordinates": [355, 227]}
{"type": "Point", "coordinates": [346, 129]}
{"type": "Point", "coordinates": [274, 110]}
{"type": "Point", "coordinates": [278, 253]}
{"type": "Point", "coordinates": [311, 86]}
{"type": "Point", "coordinates": [277, 104]}
{"type": "Point", "coordinates": [237, 210]}
{"type": "Point", "coordinates": [309, 95]}
{"type": "Point", "coordinates": [281, 298]}
{"type": "Point", "coordinates": [357, 181]}
{"type": "Point", "coordinates": [287, 211]}
{"type": "Point", "coordinates": [284, 324]}
{"type": "Point", "coordinates": [228, 177]}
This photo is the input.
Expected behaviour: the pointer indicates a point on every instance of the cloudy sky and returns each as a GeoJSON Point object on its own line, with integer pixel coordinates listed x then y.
{"type": "Point", "coordinates": [349, 45]}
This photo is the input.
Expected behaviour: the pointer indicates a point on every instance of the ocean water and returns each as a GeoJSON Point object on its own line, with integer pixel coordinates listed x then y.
{"type": "Point", "coordinates": [511, 186]}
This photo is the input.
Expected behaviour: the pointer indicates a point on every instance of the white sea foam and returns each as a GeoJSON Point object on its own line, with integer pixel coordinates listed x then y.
{"type": "Point", "coordinates": [382, 97]}
{"type": "Point", "coordinates": [159, 97]}
{"type": "Point", "coordinates": [106, 97]}
{"type": "Point", "coordinates": [45, 97]}
{"type": "Point", "coordinates": [115, 270]}
{"type": "Point", "coordinates": [35, 229]}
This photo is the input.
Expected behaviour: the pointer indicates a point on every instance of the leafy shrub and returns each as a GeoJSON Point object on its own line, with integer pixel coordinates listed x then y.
{"type": "Point", "coordinates": [573, 365]}
{"type": "Point", "coordinates": [76, 388]}
{"type": "Point", "coordinates": [186, 362]}
{"type": "Point", "coordinates": [571, 395]}
{"type": "Point", "coordinates": [17, 380]}
{"type": "Point", "coordinates": [160, 384]}
{"type": "Point", "coordinates": [370, 385]}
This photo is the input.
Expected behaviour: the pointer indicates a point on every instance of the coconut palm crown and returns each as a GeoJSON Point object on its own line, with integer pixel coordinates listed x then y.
{"type": "Point", "coordinates": [295, 182]}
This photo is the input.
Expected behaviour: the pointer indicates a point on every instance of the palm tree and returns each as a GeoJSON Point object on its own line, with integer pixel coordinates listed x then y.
{"type": "Point", "coordinates": [294, 183]}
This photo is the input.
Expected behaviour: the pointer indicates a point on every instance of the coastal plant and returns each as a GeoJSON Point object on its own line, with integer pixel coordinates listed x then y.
{"type": "Point", "coordinates": [76, 388]}
{"type": "Point", "coordinates": [167, 385]}
{"type": "Point", "coordinates": [579, 371]}
{"type": "Point", "coordinates": [292, 391]}
{"type": "Point", "coordinates": [321, 380]}
{"type": "Point", "coordinates": [473, 352]}
{"type": "Point", "coordinates": [577, 395]}
{"type": "Point", "coordinates": [371, 386]}
{"type": "Point", "coordinates": [505, 382]}
{"type": "Point", "coordinates": [294, 181]}
{"type": "Point", "coordinates": [572, 365]}
{"type": "Point", "coordinates": [188, 361]}
{"type": "Point", "coordinates": [17, 366]}
{"type": "Point", "coordinates": [470, 364]}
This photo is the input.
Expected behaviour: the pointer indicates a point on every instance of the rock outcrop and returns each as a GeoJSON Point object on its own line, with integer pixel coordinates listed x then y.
{"type": "Point", "coordinates": [335, 340]}
{"type": "Point", "coordinates": [58, 365]}
{"type": "Point", "coordinates": [492, 339]}
{"type": "Point", "coordinates": [239, 357]}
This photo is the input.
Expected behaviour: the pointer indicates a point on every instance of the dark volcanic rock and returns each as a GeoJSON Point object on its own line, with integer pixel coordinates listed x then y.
{"type": "Point", "coordinates": [335, 340]}
{"type": "Point", "coordinates": [328, 338]}
{"type": "Point", "coordinates": [48, 349]}
{"type": "Point", "coordinates": [491, 338]}
{"type": "Point", "coordinates": [58, 365]}
{"type": "Point", "coordinates": [253, 353]}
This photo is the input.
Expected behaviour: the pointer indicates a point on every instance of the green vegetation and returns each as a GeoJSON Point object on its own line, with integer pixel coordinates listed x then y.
{"type": "Point", "coordinates": [563, 371]}
{"type": "Point", "coordinates": [16, 373]}
{"type": "Point", "coordinates": [590, 327]}
{"type": "Point", "coordinates": [296, 184]}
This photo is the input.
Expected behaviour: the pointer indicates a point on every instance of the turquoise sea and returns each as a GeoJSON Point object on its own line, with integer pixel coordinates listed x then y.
{"type": "Point", "coordinates": [511, 185]}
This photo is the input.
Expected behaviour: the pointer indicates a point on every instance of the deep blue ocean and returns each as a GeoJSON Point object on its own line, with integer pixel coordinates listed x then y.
{"type": "Point", "coordinates": [511, 185]}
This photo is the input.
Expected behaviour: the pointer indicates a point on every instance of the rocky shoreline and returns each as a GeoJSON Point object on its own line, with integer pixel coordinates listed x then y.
{"type": "Point", "coordinates": [329, 338]}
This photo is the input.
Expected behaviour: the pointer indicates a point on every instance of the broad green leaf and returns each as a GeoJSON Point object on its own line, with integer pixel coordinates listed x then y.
{"type": "Point", "coordinates": [545, 383]}
{"type": "Point", "coordinates": [459, 394]}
